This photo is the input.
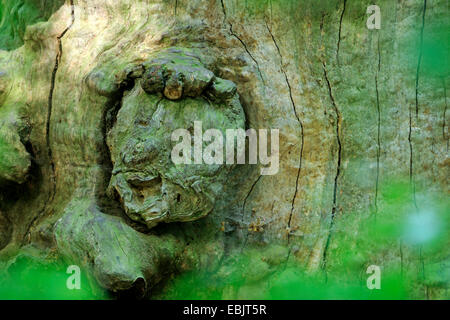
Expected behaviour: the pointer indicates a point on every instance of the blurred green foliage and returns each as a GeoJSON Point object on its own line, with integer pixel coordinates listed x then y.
{"type": "Point", "coordinates": [409, 244]}
{"type": "Point", "coordinates": [31, 278]}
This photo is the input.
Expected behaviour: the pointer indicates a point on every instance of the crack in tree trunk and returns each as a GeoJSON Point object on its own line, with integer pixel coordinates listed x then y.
{"type": "Point", "coordinates": [242, 42]}
{"type": "Point", "coordinates": [59, 53]}
{"type": "Point", "coordinates": [411, 162]}
{"type": "Point", "coordinates": [301, 128]}
{"type": "Point", "coordinates": [338, 169]}
{"type": "Point", "coordinates": [419, 62]}
{"type": "Point", "coordinates": [243, 208]}
{"type": "Point", "coordinates": [411, 152]}
{"type": "Point", "coordinates": [378, 125]}
{"type": "Point", "coordinates": [340, 31]}
{"type": "Point", "coordinates": [247, 196]}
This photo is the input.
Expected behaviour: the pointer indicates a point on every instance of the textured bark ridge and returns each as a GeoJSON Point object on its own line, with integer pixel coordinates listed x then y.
{"type": "Point", "coordinates": [91, 91]}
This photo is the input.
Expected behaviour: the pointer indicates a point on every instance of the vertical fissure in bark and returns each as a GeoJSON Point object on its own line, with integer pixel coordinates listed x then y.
{"type": "Point", "coordinates": [411, 151]}
{"type": "Point", "coordinates": [378, 125]}
{"type": "Point", "coordinates": [419, 62]}
{"type": "Point", "coordinates": [49, 116]}
{"type": "Point", "coordinates": [247, 196]}
{"type": "Point", "coordinates": [242, 42]}
{"type": "Point", "coordinates": [340, 31]}
{"type": "Point", "coordinates": [243, 222]}
{"type": "Point", "coordinates": [294, 107]}
{"type": "Point", "coordinates": [50, 96]}
{"type": "Point", "coordinates": [338, 168]}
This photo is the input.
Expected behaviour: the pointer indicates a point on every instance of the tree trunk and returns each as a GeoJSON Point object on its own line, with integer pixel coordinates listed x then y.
{"type": "Point", "coordinates": [91, 92]}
